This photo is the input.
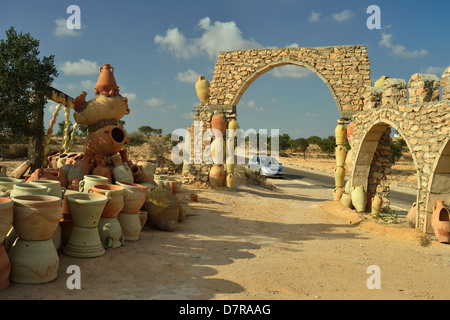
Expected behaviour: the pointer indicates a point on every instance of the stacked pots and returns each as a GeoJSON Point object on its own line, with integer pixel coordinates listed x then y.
{"type": "Point", "coordinates": [130, 216]}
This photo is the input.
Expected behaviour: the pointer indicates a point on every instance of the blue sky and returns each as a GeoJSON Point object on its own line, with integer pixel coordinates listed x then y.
{"type": "Point", "coordinates": [158, 49]}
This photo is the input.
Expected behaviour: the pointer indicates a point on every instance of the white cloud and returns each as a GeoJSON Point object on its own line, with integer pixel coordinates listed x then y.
{"type": "Point", "coordinates": [314, 16]}
{"type": "Point", "coordinates": [61, 29]}
{"type": "Point", "coordinates": [79, 68]}
{"type": "Point", "coordinates": [215, 37]}
{"type": "Point", "coordinates": [311, 115]}
{"type": "Point", "coordinates": [154, 102]}
{"type": "Point", "coordinates": [344, 15]}
{"type": "Point", "coordinates": [189, 76]}
{"type": "Point", "coordinates": [438, 71]}
{"type": "Point", "coordinates": [187, 116]}
{"type": "Point", "coordinates": [252, 105]}
{"type": "Point", "coordinates": [129, 95]}
{"type": "Point", "coordinates": [291, 71]}
{"type": "Point", "coordinates": [85, 85]}
{"type": "Point", "coordinates": [399, 50]}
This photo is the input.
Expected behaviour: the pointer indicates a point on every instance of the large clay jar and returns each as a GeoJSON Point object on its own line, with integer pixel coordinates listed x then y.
{"type": "Point", "coordinates": [107, 141]}
{"type": "Point", "coordinates": [106, 83]}
{"type": "Point", "coordinates": [217, 175]}
{"type": "Point", "coordinates": [36, 217]}
{"type": "Point", "coordinates": [131, 225]}
{"type": "Point", "coordinates": [81, 168]}
{"type": "Point", "coordinates": [7, 184]}
{"type": "Point", "coordinates": [346, 200]}
{"type": "Point", "coordinates": [202, 88]}
{"type": "Point", "coordinates": [139, 174]}
{"type": "Point", "coordinates": [340, 133]}
{"type": "Point", "coordinates": [337, 193]}
{"type": "Point", "coordinates": [150, 167]}
{"type": "Point", "coordinates": [359, 198]}
{"type": "Point", "coordinates": [231, 180]}
{"type": "Point", "coordinates": [6, 217]}
{"type": "Point", "coordinates": [33, 262]}
{"type": "Point", "coordinates": [102, 107]}
{"type": "Point", "coordinates": [339, 176]}
{"type": "Point", "coordinates": [137, 194]}
{"type": "Point", "coordinates": [91, 180]}
{"type": "Point", "coordinates": [376, 205]}
{"type": "Point", "coordinates": [340, 152]}
{"type": "Point", "coordinates": [440, 222]}
{"type": "Point", "coordinates": [101, 169]}
{"type": "Point", "coordinates": [121, 171]}
{"type": "Point", "coordinates": [411, 216]}
{"type": "Point", "coordinates": [86, 211]}
{"type": "Point", "coordinates": [21, 189]}
{"type": "Point", "coordinates": [117, 196]}
{"type": "Point", "coordinates": [5, 268]}
{"type": "Point", "coordinates": [54, 185]}
{"type": "Point", "coordinates": [219, 122]}
{"type": "Point", "coordinates": [110, 232]}
{"type": "Point", "coordinates": [48, 174]}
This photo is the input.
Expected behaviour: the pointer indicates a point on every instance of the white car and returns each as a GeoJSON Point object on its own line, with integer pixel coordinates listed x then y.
{"type": "Point", "coordinates": [266, 166]}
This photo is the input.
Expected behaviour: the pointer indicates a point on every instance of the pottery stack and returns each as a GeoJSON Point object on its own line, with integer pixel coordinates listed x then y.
{"type": "Point", "coordinates": [340, 153]}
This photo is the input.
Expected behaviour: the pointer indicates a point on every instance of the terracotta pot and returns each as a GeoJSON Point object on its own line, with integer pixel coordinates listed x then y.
{"type": "Point", "coordinates": [340, 152]}
{"type": "Point", "coordinates": [5, 268]}
{"type": "Point", "coordinates": [350, 128]}
{"type": "Point", "coordinates": [6, 217]}
{"type": "Point", "coordinates": [73, 157]}
{"type": "Point", "coordinates": [376, 205]}
{"type": "Point", "coordinates": [117, 196]}
{"type": "Point", "coordinates": [106, 83]}
{"type": "Point", "coordinates": [137, 194]}
{"type": "Point", "coordinates": [340, 133]}
{"type": "Point", "coordinates": [194, 197]}
{"type": "Point", "coordinates": [219, 122]}
{"type": "Point", "coordinates": [36, 217]}
{"type": "Point", "coordinates": [346, 200]}
{"type": "Point", "coordinates": [33, 262]}
{"type": "Point", "coordinates": [91, 180]}
{"type": "Point", "coordinates": [122, 173]}
{"type": "Point", "coordinates": [131, 225]}
{"type": "Point", "coordinates": [107, 141]}
{"type": "Point", "coordinates": [101, 169]}
{"type": "Point", "coordinates": [21, 189]}
{"type": "Point", "coordinates": [217, 175]}
{"type": "Point", "coordinates": [7, 184]}
{"type": "Point", "coordinates": [110, 232]}
{"type": "Point", "coordinates": [359, 198]}
{"type": "Point", "coordinates": [48, 174]}
{"type": "Point", "coordinates": [149, 166]}
{"type": "Point", "coordinates": [139, 174]}
{"type": "Point", "coordinates": [81, 168]}
{"type": "Point", "coordinates": [339, 176]}
{"type": "Point", "coordinates": [411, 216]}
{"type": "Point", "coordinates": [102, 107]}
{"type": "Point", "coordinates": [202, 88]}
{"type": "Point", "coordinates": [86, 208]}
{"type": "Point", "coordinates": [66, 222]}
{"type": "Point", "coordinates": [54, 185]}
{"type": "Point", "coordinates": [124, 157]}
{"type": "Point", "coordinates": [440, 221]}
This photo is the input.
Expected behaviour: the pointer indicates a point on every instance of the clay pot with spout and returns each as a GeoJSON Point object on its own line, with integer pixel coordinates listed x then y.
{"type": "Point", "coordinates": [139, 174]}
{"type": "Point", "coordinates": [107, 141]}
{"type": "Point", "coordinates": [117, 196]}
{"type": "Point", "coordinates": [106, 83]}
{"type": "Point", "coordinates": [440, 221]}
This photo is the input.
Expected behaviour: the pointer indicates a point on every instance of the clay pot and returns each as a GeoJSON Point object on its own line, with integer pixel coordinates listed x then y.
{"type": "Point", "coordinates": [340, 152]}
{"type": "Point", "coordinates": [21, 189]}
{"type": "Point", "coordinates": [440, 222]}
{"type": "Point", "coordinates": [411, 216]}
{"type": "Point", "coordinates": [122, 173]}
{"type": "Point", "coordinates": [217, 175]}
{"type": "Point", "coordinates": [143, 215]}
{"type": "Point", "coordinates": [61, 159]}
{"type": "Point", "coordinates": [91, 180]}
{"type": "Point", "coordinates": [66, 222]}
{"type": "Point", "coordinates": [340, 133]}
{"type": "Point", "coordinates": [232, 127]}
{"type": "Point", "coordinates": [376, 205]}
{"type": "Point", "coordinates": [101, 169]}
{"type": "Point", "coordinates": [106, 83]}
{"type": "Point", "coordinates": [218, 150]}
{"type": "Point", "coordinates": [73, 157]}
{"type": "Point", "coordinates": [107, 141]}
{"type": "Point", "coordinates": [5, 268]}
{"type": "Point", "coordinates": [339, 176]}
{"type": "Point", "coordinates": [359, 198]}
{"type": "Point", "coordinates": [350, 128]}
{"type": "Point", "coordinates": [110, 232]}
{"type": "Point", "coordinates": [139, 174]}
{"type": "Point", "coordinates": [219, 122]}
{"type": "Point", "coordinates": [231, 180]}
{"type": "Point", "coordinates": [33, 262]}
{"type": "Point", "coordinates": [6, 217]}
{"type": "Point", "coordinates": [137, 194]}
{"type": "Point", "coordinates": [150, 167]}
{"type": "Point", "coordinates": [117, 196]}
{"type": "Point", "coordinates": [36, 216]}
{"type": "Point", "coordinates": [202, 88]}
{"type": "Point", "coordinates": [346, 200]}
{"type": "Point", "coordinates": [48, 174]}
{"type": "Point", "coordinates": [131, 225]}
{"type": "Point", "coordinates": [102, 107]}
{"type": "Point", "coordinates": [7, 184]}
{"type": "Point", "coordinates": [337, 193]}
{"type": "Point", "coordinates": [54, 185]}
{"type": "Point", "coordinates": [124, 157]}
{"type": "Point", "coordinates": [81, 168]}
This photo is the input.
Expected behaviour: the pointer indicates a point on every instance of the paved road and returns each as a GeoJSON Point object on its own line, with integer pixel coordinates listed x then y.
{"type": "Point", "coordinates": [400, 201]}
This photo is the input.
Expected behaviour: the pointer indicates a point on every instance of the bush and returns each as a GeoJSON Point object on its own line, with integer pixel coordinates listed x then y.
{"type": "Point", "coordinates": [136, 138]}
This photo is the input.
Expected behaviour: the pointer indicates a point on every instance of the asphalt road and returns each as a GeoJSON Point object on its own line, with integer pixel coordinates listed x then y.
{"type": "Point", "coordinates": [400, 201]}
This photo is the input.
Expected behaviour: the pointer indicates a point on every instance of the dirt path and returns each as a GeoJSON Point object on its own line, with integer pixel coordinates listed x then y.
{"type": "Point", "coordinates": [252, 243]}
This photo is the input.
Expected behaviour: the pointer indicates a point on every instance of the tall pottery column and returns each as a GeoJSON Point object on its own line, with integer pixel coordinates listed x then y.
{"type": "Point", "coordinates": [340, 153]}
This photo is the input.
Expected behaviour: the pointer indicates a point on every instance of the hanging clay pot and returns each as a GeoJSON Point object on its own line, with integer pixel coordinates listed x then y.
{"type": "Point", "coordinates": [359, 198]}
{"type": "Point", "coordinates": [337, 193]}
{"type": "Point", "coordinates": [411, 216]}
{"type": "Point", "coordinates": [106, 83]}
{"type": "Point", "coordinates": [131, 225]}
{"type": "Point", "coordinates": [101, 169]}
{"type": "Point", "coordinates": [54, 185]}
{"type": "Point", "coordinates": [339, 176]}
{"type": "Point", "coordinates": [217, 175]}
{"type": "Point", "coordinates": [81, 168]}
{"type": "Point", "coordinates": [33, 262]}
{"type": "Point", "coordinates": [91, 180]}
{"type": "Point", "coordinates": [110, 232]}
{"type": "Point", "coordinates": [440, 222]}
{"type": "Point", "coordinates": [117, 196]}
{"type": "Point", "coordinates": [340, 133]}
{"type": "Point", "coordinates": [107, 141]}
{"type": "Point", "coordinates": [376, 205]}
{"type": "Point", "coordinates": [346, 200]}
{"type": "Point", "coordinates": [21, 189]}
{"type": "Point", "coordinates": [340, 152]}
{"type": "Point", "coordinates": [219, 123]}
{"type": "Point", "coordinates": [102, 107]}
{"type": "Point", "coordinates": [6, 217]}
{"type": "Point", "coordinates": [202, 88]}
{"type": "Point", "coordinates": [5, 268]}
{"type": "Point", "coordinates": [137, 194]}
{"type": "Point", "coordinates": [36, 217]}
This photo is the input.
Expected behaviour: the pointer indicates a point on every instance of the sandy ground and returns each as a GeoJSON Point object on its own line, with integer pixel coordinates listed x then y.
{"type": "Point", "coordinates": [252, 243]}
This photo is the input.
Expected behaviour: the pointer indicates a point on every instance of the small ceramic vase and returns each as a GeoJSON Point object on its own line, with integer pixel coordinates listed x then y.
{"type": "Point", "coordinates": [340, 133]}
{"type": "Point", "coordinates": [339, 176]}
{"type": "Point", "coordinates": [202, 88]}
{"type": "Point", "coordinates": [217, 175]}
{"type": "Point", "coordinates": [340, 152]}
{"type": "Point", "coordinates": [337, 193]}
{"type": "Point", "coordinates": [376, 205]}
{"type": "Point", "coordinates": [101, 169]}
{"type": "Point", "coordinates": [359, 198]}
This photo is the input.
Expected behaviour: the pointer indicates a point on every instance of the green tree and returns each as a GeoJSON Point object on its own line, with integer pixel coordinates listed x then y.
{"type": "Point", "coordinates": [397, 150]}
{"type": "Point", "coordinates": [284, 142]}
{"type": "Point", "coordinates": [327, 145]}
{"type": "Point", "coordinates": [24, 79]}
{"type": "Point", "coordinates": [302, 146]}
{"type": "Point", "coordinates": [147, 130]}
{"type": "Point", "coordinates": [315, 140]}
